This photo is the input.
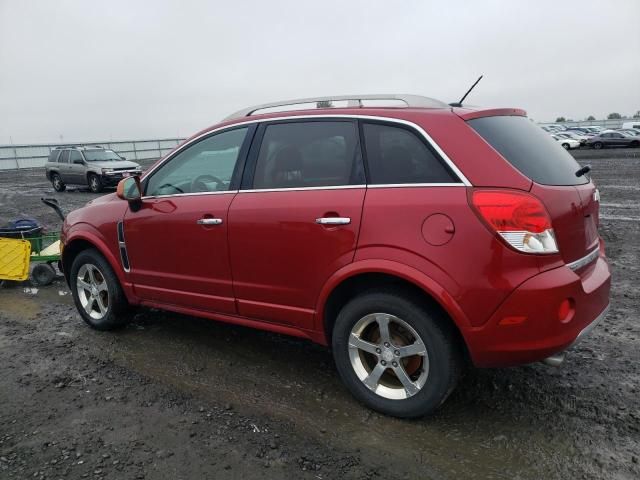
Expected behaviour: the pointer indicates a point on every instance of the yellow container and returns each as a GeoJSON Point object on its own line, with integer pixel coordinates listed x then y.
{"type": "Point", "coordinates": [14, 259]}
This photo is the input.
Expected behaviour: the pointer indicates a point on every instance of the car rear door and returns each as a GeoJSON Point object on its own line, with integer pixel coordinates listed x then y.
{"type": "Point", "coordinates": [296, 218]}
{"type": "Point", "coordinates": [77, 168]}
{"type": "Point", "coordinates": [177, 239]}
{"type": "Point", "coordinates": [63, 167]}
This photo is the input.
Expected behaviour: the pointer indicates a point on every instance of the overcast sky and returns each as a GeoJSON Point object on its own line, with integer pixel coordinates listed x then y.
{"type": "Point", "coordinates": [98, 70]}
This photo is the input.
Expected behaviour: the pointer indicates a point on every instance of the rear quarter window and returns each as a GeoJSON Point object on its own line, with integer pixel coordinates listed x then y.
{"type": "Point", "coordinates": [529, 149]}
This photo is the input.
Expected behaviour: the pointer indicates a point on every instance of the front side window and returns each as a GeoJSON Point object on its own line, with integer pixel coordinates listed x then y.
{"type": "Point", "coordinates": [74, 155]}
{"type": "Point", "coordinates": [206, 166]}
{"type": "Point", "coordinates": [309, 154]}
{"type": "Point", "coordinates": [396, 155]}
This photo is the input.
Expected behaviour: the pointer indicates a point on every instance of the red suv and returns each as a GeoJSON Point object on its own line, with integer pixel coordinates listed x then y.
{"type": "Point", "coordinates": [411, 238]}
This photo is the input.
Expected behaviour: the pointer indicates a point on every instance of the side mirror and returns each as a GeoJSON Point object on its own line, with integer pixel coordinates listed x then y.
{"type": "Point", "coordinates": [78, 162]}
{"type": "Point", "coordinates": [129, 189]}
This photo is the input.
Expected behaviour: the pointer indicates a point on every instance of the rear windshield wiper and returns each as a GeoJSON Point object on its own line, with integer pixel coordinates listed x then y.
{"type": "Point", "coordinates": [584, 170]}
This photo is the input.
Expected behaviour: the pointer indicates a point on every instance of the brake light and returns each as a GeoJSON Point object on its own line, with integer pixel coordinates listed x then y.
{"type": "Point", "coordinates": [519, 218]}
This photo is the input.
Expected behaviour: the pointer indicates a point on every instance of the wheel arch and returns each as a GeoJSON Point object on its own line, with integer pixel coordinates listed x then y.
{"type": "Point", "coordinates": [87, 239]}
{"type": "Point", "coordinates": [369, 274]}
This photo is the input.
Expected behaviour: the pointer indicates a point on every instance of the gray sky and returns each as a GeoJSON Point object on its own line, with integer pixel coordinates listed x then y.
{"type": "Point", "coordinates": [95, 70]}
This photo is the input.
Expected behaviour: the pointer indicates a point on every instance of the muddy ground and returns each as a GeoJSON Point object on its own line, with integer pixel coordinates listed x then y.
{"type": "Point", "coordinates": [174, 397]}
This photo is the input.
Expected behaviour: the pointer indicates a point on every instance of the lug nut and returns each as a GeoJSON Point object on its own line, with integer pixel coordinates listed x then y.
{"type": "Point", "coordinates": [395, 364]}
{"type": "Point", "coordinates": [383, 362]}
{"type": "Point", "coordinates": [378, 350]}
{"type": "Point", "coordinates": [386, 344]}
{"type": "Point", "coordinates": [397, 353]}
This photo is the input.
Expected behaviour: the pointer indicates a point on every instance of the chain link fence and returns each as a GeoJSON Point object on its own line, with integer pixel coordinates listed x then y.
{"type": "Point", "coordinates": [32, 156]}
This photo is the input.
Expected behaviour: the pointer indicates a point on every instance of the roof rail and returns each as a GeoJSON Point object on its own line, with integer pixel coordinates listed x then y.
{"type": "Point", "coordinates": [353, 101]}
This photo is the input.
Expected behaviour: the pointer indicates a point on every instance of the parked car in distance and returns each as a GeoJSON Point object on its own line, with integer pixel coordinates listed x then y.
{"type": "Point", "coordinates": [613, 138]}
{"type": "Point", "coordinates": [630, 131]}
{"type": "Point", "coordinates": [94, 166]}
{"type": "Point", "coordinates": [582, 139]}
{"type": "Point", "coordinates": [567, 143]}
{"type": "Point", "coordinates": [632, 124]}
{"type": "Point", "coordinates": [412, 240]}
{"type": "Point", "coordinates": [581, 131]}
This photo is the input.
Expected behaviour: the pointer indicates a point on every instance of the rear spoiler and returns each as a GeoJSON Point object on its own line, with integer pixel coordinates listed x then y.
{"type": "Point", "coordinates": [469, 114]}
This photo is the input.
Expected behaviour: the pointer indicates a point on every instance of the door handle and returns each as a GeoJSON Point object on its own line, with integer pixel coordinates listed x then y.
{"type": "Point", "coordinates": [209, 221]}
{"type": "Point", "coordinates": [333, 221]}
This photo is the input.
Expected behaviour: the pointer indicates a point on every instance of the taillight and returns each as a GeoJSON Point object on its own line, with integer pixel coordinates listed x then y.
{"type": "Point", "coordinates": [518, 217]}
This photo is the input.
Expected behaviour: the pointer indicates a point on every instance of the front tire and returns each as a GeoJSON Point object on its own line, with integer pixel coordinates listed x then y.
{"type": "Point", "coordinates": [57, 183]}
{"type": "Point", "coordinates": [394, 354]}
{"type": "Point", "coordinates": [95, 184]}
{"type": "Point", "coordinates": [598, 145]}
{"type": "Point", "coordinates": [565, 146]}
{"type": "Point", "coordinates": [97, 292]}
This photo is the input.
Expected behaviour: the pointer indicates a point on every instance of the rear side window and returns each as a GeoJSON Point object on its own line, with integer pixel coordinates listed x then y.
{"type": "Point", "coordinates": [309, 154]}
{"type": "Point", "coordinates": [64, 157]}
{"type": "Point", "coordinates": [529, 149]}
{"type": "Point", "coordinates": [396, 155]}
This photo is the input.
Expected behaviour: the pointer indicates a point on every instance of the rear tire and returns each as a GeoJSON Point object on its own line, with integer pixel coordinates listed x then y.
{"type": "Point", "coordinates": [389, 376]}
{"type": "Point", "coordinates": [565, 146]}
{"type": "Point", "coordinates": [57, 183]}
{"type": "Point", "coordinates": [598, 145]}
{"type": "Point", "coordinates": [97, 292]}
{"type": "Point", "coordinates": [634, 144]}
{"type": "Point", "coordinates": [95, 184]}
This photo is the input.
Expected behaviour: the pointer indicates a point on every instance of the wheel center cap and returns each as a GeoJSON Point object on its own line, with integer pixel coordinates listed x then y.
{"type": "Point", "coordinates": [94, 291]}
{"type": "Point", "coordinates": [387, 355]}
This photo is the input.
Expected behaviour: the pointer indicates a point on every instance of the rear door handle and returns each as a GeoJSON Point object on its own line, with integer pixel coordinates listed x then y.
{"type": "Point", "coordinates": [333, 221]}
{"type": "Point", "coordinates": [209, 221]}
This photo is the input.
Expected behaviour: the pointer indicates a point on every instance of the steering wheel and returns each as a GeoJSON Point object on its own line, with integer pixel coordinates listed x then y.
{"type": "Point", "coordinates": [198, 183]}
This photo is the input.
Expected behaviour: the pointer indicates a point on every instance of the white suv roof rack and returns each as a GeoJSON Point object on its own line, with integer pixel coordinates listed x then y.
{"type": "Point", "coordinates": [353, 101]}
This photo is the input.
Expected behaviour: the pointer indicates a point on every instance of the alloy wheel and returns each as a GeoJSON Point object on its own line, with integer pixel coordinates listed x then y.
{"type": "Point", "coordinates": [388, 356]}
{"type": "Point", "coordinates": [92, 291]}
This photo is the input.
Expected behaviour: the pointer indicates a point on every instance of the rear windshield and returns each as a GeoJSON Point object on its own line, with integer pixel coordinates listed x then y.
{"type": "Point", "coordinates": [529, 149]}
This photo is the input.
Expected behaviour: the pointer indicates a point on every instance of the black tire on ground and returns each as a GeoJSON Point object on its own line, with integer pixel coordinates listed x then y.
{"type": "Point", "coordinates": [598, 145]}
{"type": "Point", "coordinates": [444, 353]}
{"type": "Point", "coordinates": [95, 184]}
{"type": "Point", "coordinates": [42, 274]}
{"type": "Point", "coordinates": [57, 183]}
{"type": "Point", "coordinates": [565, 146]}
{"type": "Point", "coordinates": [635, 144]}
{"type": "Point", "coordinates": [116, 312]}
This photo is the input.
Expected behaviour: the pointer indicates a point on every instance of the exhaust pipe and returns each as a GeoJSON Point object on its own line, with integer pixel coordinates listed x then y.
{"type": "Point", "coordinates": [555, 360]}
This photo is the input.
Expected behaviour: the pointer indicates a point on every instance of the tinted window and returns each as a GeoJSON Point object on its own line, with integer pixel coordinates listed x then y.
{"type": "Point", "coordinates": [101, 156]}
{"type": "Point", "coordinates": [74, 155]}
{"type": "Point", "coordinates": [206, 166]}
{"type": "Point", "coordinates": [397, 155]}
{"type": "Point", "coordinates": [64, 157]}
{"type": "Point", "coordinates": [53, 156]}
{"type": "Point", "coordinates": [309, 154]}
{"type": "Point", "coordinates": [529, 149]}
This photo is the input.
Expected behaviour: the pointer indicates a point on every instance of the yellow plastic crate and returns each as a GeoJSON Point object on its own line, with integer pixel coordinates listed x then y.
{"type": "Point", "coordinates": [14, 259]}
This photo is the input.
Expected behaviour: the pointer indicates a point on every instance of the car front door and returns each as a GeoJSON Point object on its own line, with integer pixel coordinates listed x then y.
{"type": "Point", "coordinates": [177, 239]}
{"type": "Point", "coordinates": [296, 218]}
{"type": "Point", "coordinates": [77, 168]}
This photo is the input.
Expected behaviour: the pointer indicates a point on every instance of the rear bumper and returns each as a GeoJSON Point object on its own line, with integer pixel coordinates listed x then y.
{"type": "Point", "coordinates": [526, 327]}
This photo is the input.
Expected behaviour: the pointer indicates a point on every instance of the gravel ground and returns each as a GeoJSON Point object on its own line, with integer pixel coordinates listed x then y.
{"type": "Point", "coordinates": [173, 397]}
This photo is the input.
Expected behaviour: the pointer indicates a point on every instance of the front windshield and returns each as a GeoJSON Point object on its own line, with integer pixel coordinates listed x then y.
{"type": "Point", "coordinates": [101, 156]}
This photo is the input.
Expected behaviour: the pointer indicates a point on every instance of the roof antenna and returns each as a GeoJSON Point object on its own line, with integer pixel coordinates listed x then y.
{"type": "Point", "coordinates": [459, 104]}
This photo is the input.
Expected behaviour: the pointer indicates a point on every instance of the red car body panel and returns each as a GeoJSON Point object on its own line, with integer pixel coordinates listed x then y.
{"type": "Point", "coordinates": [269, 265]}
{"type": "Point", "coordinates": [279, 276]}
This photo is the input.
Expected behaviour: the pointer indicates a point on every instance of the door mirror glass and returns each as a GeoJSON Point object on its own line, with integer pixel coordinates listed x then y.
{"type": "Point", "coordinates": [129, 189]}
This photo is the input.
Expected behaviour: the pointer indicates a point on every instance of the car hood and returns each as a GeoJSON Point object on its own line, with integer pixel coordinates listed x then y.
{"type": "Point", "coordinates": [119, 164]}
